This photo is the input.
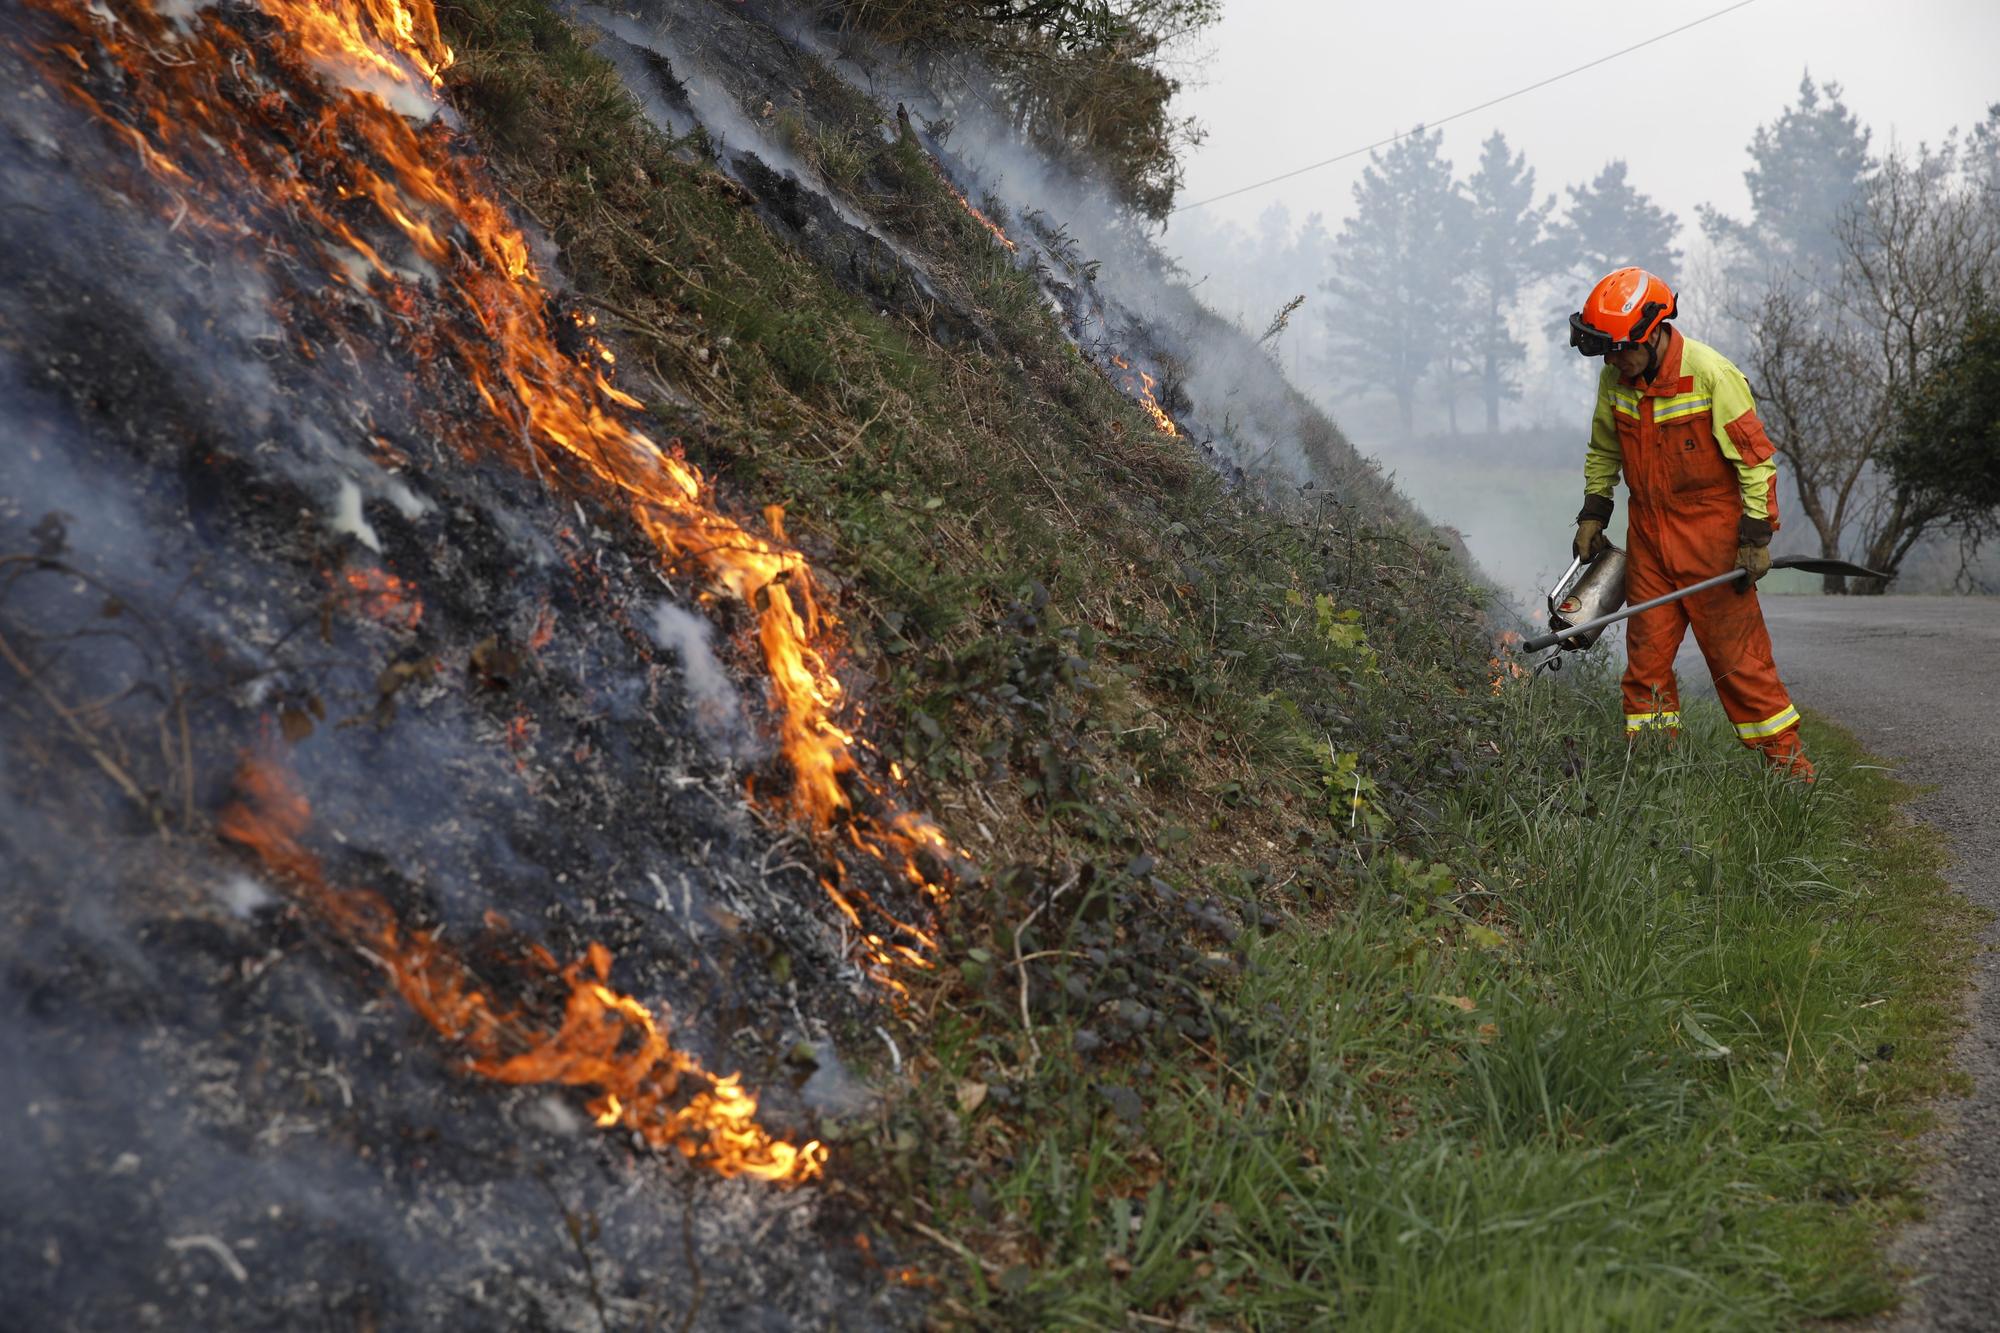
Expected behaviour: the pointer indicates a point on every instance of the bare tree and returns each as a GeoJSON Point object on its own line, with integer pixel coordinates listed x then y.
{"type": "Point", "coordinates": [1822, 403]}
{"type": "Point", "coordinates": [1912, 253]}
{"type": "Point", "coordinates": [1836, 358]}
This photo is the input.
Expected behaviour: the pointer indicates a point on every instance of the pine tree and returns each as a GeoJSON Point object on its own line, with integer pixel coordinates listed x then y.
{"type": "Point", "coordinates": [1274, 228]}
{"type": "Point", "coordinates": [1394, 271]}
{"type": "Point", "coordinates": [1983, 155]}
{"type": "Point", "coordinates": [1608, 225]}
{"type": "Point", "coordinates": [1505, 251]}
{"type": "Point", "coordinates": [1808, 169]}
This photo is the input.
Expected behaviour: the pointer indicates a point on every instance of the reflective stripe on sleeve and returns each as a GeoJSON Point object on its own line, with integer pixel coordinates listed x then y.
{"type": "Point", "coordinates": [1770, 726]}
{"type": "Point", "coordinates": [1649, 721]}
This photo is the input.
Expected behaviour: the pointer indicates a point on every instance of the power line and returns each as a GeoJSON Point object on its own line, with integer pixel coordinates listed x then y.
{"type": "Point", "coordinates": [1459, 115]}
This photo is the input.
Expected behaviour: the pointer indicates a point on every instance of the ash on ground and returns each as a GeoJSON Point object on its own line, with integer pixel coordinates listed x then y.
{"type": "Point", "coordinates": [228, 523]}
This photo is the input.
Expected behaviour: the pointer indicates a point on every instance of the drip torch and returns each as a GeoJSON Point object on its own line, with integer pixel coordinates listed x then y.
{"type": "Point", "coordinates": [1590, 596]}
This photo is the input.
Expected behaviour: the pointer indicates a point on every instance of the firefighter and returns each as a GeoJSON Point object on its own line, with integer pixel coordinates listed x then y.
{"type": "Point", "coordinates": [1678, 420]}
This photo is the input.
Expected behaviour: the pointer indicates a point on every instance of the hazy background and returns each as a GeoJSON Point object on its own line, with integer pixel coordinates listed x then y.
{"type": "Point", "coordinates": [1279, 85]}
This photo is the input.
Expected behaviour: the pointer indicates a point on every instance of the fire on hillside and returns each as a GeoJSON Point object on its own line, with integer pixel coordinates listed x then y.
{"type": "Point", "coordinates": [978, 216]}
{"type": "Point", "coordinates": [607, 1042]}
{"type": "Point", "coordinates": [1139, 386]}
{"type": "Point", "coordinates": [306, 136]}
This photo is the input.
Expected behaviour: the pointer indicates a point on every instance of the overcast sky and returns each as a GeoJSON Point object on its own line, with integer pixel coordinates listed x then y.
{"type": "Point", "coordinates": [1286, 82]}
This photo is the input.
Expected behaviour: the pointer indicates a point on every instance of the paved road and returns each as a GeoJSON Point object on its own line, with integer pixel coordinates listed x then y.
{"type": "Point", "coordinates": [1918, 680]}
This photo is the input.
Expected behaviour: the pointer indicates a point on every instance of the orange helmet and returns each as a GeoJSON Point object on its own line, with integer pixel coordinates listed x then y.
{"type": "Point", "coordinates": [1621, 311]}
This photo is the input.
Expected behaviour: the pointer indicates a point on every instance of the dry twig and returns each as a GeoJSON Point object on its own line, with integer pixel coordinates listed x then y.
{"type": "Point", "coordinates": [84, 736]}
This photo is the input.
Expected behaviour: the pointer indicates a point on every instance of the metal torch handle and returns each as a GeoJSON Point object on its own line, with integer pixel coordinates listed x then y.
{"type": "Point", "coordinates": [1555, 594]}
{"type": "Point", "coordinates": [1554, 637]}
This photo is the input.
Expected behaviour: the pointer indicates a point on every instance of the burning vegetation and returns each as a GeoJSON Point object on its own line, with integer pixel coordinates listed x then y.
{"type": "Point", "coordinates": [380, 595]}
{"type": "Point", "coordinates": [1139, 385]}
{"type": "Point", "coordinates": [1506, 663]}
{"type": "Point", "coordinates": [979, 217]}
{"type": "Point", "coordinates": [310, 452]}
{"type": "Point", "coordinates": [606, 1043]}
{"type": "Point", "coordinates": [1081, 308]}
{"type": "Point", "coordinates": [313, 124]}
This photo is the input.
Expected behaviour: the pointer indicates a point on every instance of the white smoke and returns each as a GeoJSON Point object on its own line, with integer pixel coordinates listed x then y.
{"type": "Point", "coordinates": [712, 699]}
{"type": "Point", "coordinates": [1233, 398]}
{"type": "Point", "coordinates": [720, 113]}
{"type": "Point", "coordinates": [349, 521]}
{"type": "Point", "coordinates": [242, 896]}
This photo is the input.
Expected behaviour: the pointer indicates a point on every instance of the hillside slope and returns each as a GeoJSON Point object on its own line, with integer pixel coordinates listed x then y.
{"type": "Point", "coordinates": [559, 555]}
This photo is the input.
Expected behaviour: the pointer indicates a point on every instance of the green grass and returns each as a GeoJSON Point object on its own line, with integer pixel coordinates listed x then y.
{"type": "Point", "coordinates": [1649, 1058]}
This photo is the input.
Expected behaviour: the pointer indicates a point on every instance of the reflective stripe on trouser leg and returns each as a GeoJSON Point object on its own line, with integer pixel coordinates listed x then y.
{"type": "Point", "coordinates": [1783, 720]}
{"type": "Point", "coordinates": [1651, 640]}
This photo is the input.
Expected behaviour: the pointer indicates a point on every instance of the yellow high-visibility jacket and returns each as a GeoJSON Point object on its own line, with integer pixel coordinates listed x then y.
{"type": "Point", "coordinates": [1691, 429]}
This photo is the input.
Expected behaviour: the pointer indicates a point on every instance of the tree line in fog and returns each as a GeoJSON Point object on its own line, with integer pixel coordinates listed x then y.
{"type": "Point", "coordinates": [1858, 294]}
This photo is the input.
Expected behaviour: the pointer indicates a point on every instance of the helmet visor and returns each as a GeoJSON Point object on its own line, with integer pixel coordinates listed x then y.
{"type": "Point", "coordinates": [1588, 341]}
{"type": "Point", "coordinates": [1594, 342]}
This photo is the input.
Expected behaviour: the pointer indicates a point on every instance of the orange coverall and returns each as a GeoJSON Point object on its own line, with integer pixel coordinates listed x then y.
{"type": "Point", "coordinates": [1697, 461]}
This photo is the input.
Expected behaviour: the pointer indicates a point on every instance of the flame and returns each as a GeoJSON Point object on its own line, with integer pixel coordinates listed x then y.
{"type": "Point", "coordinates": [1140, 386]}
{"type": "Point", "coordinates": [1505, 668]}
{"type": "Point", "coordinates": [937, 169]}
{"type": "Point", "coordinates": [382, 596]}
{"type": "Point", "coordinates": [544, 632]}
{"type": "Point", "coordinates": [978, 216]}
{"type": "Point", "coordinates": [328, 116]}
{"type": "Point", "coordinates": [606, 1042]}
{"type": "Point", "coordinates": [520, 735]}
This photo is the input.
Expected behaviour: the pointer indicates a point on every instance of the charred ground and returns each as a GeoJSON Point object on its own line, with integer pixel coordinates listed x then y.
{"type": "Point", "coordinates": [218, 1112]}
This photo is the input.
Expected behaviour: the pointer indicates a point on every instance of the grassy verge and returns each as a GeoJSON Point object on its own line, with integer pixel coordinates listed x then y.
{"type": "Point", "coordinates": [1644, 1050]}
{"type": "Point", "coordinates": [1307, 979]}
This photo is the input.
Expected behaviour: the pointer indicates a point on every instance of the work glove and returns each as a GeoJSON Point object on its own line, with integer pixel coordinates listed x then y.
{"type": "Point", "coordinates": [1753, 551]}
{"type": "Point", "coordinates": [1590, 539]}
